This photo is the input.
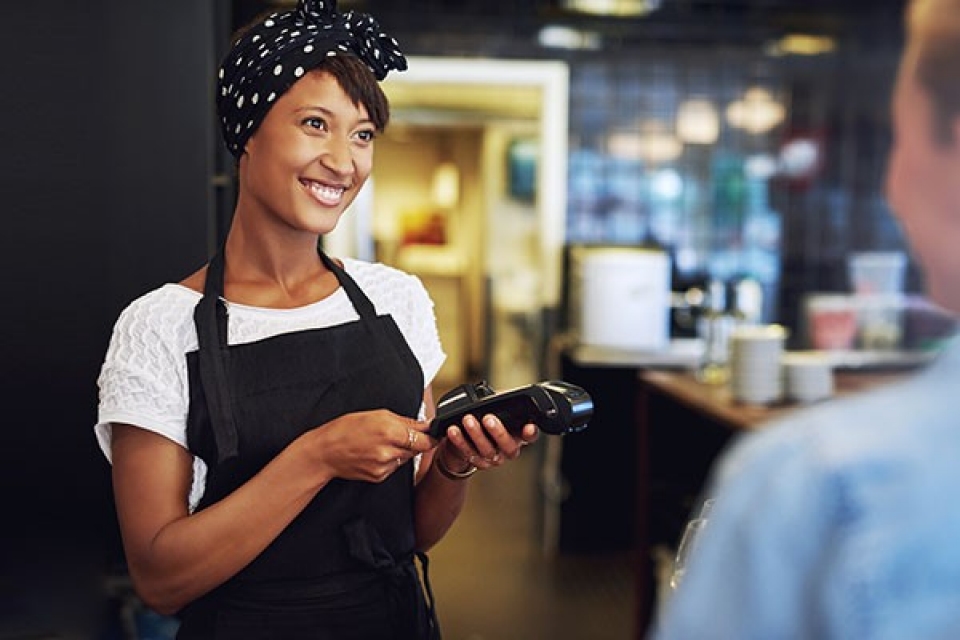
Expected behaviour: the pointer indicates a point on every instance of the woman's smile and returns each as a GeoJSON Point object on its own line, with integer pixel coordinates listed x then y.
{"type": "Point", "coordinates": [325, 194]}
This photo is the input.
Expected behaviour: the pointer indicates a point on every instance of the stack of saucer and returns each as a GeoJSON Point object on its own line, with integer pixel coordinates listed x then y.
{"type": "Point", "coordinates": [808, 376]}
{"type": "Point", "coordinates": [755, 372]}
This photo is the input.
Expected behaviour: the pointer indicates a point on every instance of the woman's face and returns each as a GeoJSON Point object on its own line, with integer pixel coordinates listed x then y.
{"type": "Point", "coordinates": [923, 188]}
{"type": "Point", "coordinates": [309, 157]}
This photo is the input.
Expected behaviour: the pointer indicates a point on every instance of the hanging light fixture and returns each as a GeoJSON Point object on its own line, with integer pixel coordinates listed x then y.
{"type": "Point", "coordinates": [802, 44]}
{"type": "Point", "coordinates": [698, 121]}
{"type": "Point", "coordinates": [652, 143]}
{"type": "Point", "coordinates": [757, 111]}
{"type": "Point", "coordinates": [622, 8]}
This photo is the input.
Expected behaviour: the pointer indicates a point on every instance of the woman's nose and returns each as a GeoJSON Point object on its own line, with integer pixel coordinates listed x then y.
{"type": "Point", "coordinates": [338, 156]}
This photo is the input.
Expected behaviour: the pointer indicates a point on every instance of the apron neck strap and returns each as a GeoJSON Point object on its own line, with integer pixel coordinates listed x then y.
{"type": "Point", "coordinates": [361, 303]}
{"type": "Point", "coordinates": [210, 318]}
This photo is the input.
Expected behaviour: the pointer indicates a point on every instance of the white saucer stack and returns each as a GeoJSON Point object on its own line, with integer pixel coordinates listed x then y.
{"type": "Point", "coordinates": [808, 376]}
{"type": "Point", "coordinates": [755, 371]}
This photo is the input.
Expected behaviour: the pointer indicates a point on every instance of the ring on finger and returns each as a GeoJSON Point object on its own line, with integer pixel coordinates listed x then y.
{"type": "Point", "coordinates": [399, 462]}
{"type": "Point", "coordinates": [411, 438]}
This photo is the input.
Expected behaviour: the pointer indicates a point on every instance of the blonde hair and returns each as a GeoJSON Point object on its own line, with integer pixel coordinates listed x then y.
{"type": "Point", "coordinates": [933, 31]}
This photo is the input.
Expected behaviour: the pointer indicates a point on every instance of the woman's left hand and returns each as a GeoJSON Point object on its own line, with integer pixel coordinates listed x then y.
{"type": "Point", "coordinates": [489, 444]}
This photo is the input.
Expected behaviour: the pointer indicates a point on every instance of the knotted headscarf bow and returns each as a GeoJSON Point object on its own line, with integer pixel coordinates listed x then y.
{"type": "Point", "coordinates": [276, 52]}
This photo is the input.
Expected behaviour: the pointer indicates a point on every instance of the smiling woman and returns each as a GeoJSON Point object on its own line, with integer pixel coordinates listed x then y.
{"type": "Point", "coordinates": [267, 416]}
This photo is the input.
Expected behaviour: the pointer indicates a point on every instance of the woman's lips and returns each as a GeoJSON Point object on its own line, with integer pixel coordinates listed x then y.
{"type": "Point", "coordinates": [325, 194]}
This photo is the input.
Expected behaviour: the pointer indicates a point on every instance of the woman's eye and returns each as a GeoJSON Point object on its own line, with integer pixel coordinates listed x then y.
{"type": "Point", "coordinates": [367, 136]}
{"type": "Point", "coordinates": [315, 123]}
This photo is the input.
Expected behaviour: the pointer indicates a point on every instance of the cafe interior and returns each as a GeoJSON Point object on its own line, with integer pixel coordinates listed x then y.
{"type": "Point", "coordinates": [655, 200]}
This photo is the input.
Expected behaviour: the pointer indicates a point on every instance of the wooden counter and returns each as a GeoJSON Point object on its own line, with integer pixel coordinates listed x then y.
{"type": "Point", "coordinates": [682, 425]}
{"type": "Point", "coordinates": [717, 403]}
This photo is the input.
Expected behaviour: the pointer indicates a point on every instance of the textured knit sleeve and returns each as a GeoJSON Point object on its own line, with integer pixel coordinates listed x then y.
{"type": "Point", "coordinates": [419, 325]}
{"type": "Point", "coordinates": [143, 379]}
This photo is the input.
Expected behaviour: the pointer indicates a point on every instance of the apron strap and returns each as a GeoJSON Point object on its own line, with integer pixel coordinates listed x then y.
{"type": "Point", "coordinates": [431, 603]}
{"type": "Point", "coordinates": [210, 318]}
{"type": "Point", "coordinates": [365, 545]}
{"type": "Point", "coordinates": [361, 303]}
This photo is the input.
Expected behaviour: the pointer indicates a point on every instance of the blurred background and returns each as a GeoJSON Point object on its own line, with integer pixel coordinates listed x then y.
{"type": "Point", "coordinates": [735, 148]}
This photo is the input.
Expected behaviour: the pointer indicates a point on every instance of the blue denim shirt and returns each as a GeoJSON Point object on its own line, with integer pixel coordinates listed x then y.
{"type": "Point", "coordinates": [838, 521]}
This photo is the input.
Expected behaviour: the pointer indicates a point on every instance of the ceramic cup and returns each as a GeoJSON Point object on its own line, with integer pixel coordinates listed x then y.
{"type": "Point", "coordinates": [807, 376]}
{"type": "Point", "coordinates": [755, 372]}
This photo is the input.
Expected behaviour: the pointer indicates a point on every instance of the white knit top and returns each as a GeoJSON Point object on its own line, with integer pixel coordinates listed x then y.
{"type": "Point", "coordinates": [143, 380]}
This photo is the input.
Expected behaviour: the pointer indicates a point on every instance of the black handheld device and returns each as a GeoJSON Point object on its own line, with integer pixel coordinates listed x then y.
{"type": "Point", "coordinates": [555, 406]}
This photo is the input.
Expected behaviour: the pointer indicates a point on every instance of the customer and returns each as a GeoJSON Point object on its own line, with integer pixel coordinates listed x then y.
{"type": "Point", "coordinates": [265, 417]}
{"type": "Point", "coordinates": [840, 521]}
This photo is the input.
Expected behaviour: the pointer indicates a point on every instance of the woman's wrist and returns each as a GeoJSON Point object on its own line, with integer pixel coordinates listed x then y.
{"type": "Point", "coordinates": [460, 471]}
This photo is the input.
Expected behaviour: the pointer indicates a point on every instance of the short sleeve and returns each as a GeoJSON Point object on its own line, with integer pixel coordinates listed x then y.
{"type": "Point", "coordinates": [421, 330]}
{"type": "Point", "coordinates": [143, 377]}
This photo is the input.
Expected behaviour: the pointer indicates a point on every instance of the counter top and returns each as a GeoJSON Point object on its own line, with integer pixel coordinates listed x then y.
{"type": "Point", "coordinates": [680, 353]}
{"type": "Point", "coordinates": [685, 353]}
{"type": "Point", "coordinates": [717, 401]}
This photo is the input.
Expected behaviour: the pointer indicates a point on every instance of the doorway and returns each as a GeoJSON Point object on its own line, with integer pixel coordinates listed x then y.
{"type": "Point", "coordinates": [469, 193]}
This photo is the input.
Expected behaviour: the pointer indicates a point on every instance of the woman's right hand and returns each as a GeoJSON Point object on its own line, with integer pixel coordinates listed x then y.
{"type": "Point", "coordinates": [367, 445]}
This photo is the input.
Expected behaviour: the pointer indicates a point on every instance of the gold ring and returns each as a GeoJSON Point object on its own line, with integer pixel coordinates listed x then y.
{"type": "Point", "coordinates": [411, 438]}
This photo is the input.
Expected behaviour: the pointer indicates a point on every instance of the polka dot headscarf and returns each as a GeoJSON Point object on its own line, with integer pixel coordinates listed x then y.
{"type": "Point", "coordinates": [275, 53]}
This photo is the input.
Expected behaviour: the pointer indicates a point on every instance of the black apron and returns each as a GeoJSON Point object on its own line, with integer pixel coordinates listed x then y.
{"type": "Point", "coordinates": [344, 568]}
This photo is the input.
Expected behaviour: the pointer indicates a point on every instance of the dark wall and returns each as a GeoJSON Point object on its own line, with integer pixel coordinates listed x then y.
{"type": "Point", "coordinates": [105, 127]}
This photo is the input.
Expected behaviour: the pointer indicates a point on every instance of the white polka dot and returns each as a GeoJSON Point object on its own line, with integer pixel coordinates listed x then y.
{"type": "Point", "coordinates": [271, 97]}
{"type": "Point", "coordinates": [255, 98]}
{"type": "Point", "coordinates": [239, 102]}
{"type": "Point", "coordinates": [277, 70]}
{"type": "Point", "coordinates": [298, 72]}
{"type": "Point", "coordinates": [308, 48]}
{"type": "Point", "coordinates": [268, 23]}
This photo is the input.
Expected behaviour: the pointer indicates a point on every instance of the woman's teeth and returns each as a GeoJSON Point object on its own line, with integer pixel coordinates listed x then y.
{"type": "Point", "coordinates": [324, 193]}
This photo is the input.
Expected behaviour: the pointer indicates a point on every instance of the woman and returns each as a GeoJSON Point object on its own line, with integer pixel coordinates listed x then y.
{"type": "Point", "coordinates": [266, 417]}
